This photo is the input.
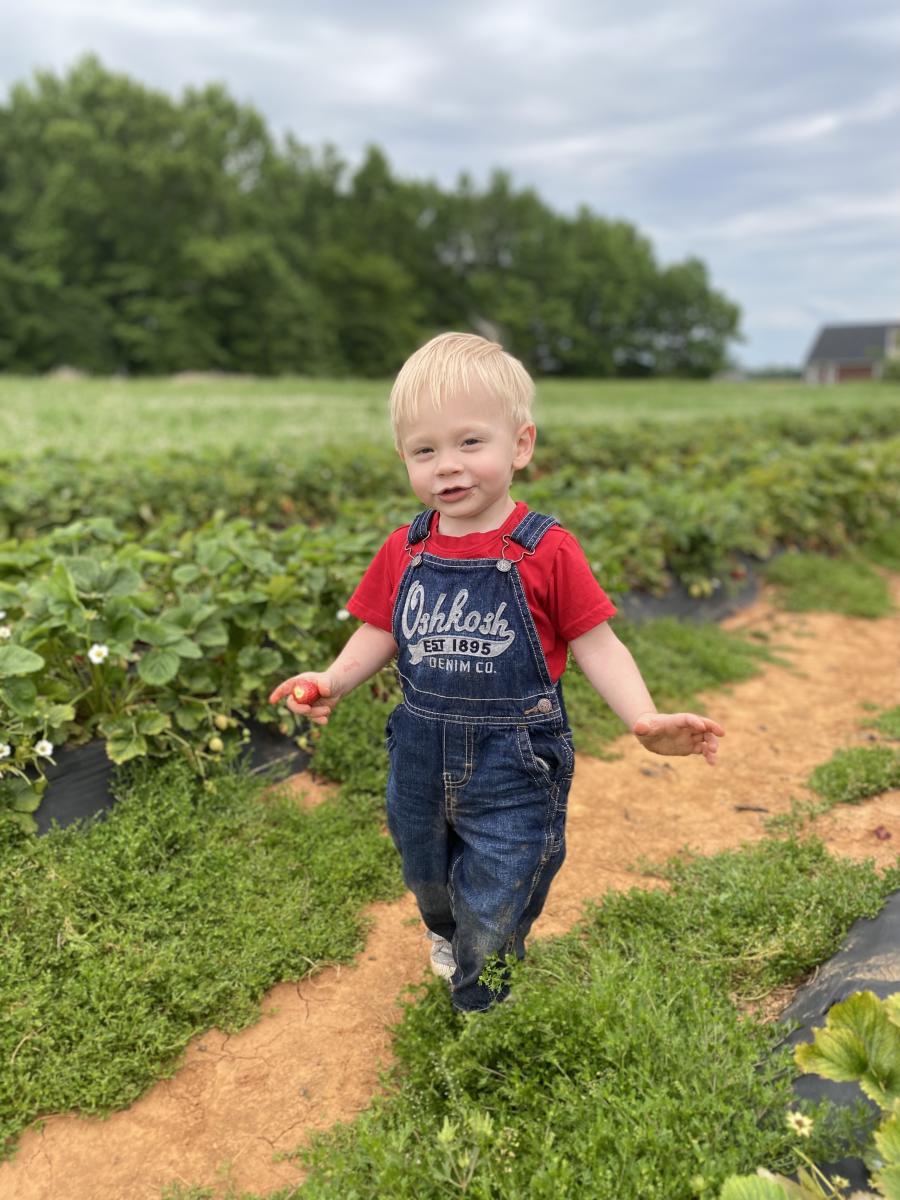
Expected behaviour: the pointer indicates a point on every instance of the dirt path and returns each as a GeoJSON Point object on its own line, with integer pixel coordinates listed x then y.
{"type": "Point", "coordinates": [313, 1057]}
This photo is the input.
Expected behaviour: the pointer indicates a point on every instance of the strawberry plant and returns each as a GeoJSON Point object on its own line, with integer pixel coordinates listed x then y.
{"type": "Point", "coordinates": [860, 1043]}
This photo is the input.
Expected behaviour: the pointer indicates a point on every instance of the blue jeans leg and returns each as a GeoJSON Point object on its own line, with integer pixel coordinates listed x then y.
{"type": "Point", "coordinates": [510, 818]}
{"type": "Point", "coordinates": [416, 817]}
{"type": "Point", "coordinates": [479, 822]}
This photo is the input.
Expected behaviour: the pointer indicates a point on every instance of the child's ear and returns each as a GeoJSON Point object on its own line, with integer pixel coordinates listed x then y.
{"type": "Point", "coordinates": [525, 440]}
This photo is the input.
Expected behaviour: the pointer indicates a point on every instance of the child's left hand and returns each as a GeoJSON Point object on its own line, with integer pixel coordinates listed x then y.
{"type": "Point", "coordinates": [679, 733]}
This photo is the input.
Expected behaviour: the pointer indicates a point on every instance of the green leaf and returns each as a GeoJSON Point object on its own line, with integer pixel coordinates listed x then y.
{"type": "Point", "coordinates": [212, 633]}
{"type": "Point", "coordinates": [58, 714]}
{"type": "Point", "coordinates": [157, 557]}
{"type": "Point", "coordinates": [280, 587]}
{"type": "Point", "coordinates": [151, 722]}
{"type": "Point", "coordinates": [887, 1139]}
{"type": "Point", "coordinates": [159, 632]}
{"type": "Point", "coordinates": [752, 1187]}
{"type": "Point", "coordinates": [59, 587]}
{"type": "Point", "coordinates": [20, 694]}
{"type": "Point", "coordinates": [21, 559]}
{"type": "Point", "coordinates": [27, 801]}
{"type": "Point", "coordinates": [16, 660]}
{"type": "Point", "coordinates": [261, 659]}
{"type": "Point", "coordinates": [859, 1043]}
{"type": "Point", "coordinates": [25, 821]}
{"type": "Point", "coordinates": [185, 648]}
{"type": "Point", "coordinates": [85, 573]}
{"type": "Point", "coordinates": [158, 666]}
{"type": "Point", "coordinates": [888, 1182]}
{"type": "Point", "coordinates": [22, 795]}
{"type": "Point", "coordinates": [186, 573]}
{"type": "Point", "coordinates": [122, 747]}
{"type": "Point", "coordinates": [190, 714]}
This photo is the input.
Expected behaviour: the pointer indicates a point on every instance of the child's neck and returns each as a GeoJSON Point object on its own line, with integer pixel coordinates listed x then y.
{"type": "Point", "coordinates": [485, 522]}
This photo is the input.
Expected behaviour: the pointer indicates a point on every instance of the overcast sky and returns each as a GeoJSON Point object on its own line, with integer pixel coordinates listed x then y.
{"type": "Point", "coordinates": [761, 135]}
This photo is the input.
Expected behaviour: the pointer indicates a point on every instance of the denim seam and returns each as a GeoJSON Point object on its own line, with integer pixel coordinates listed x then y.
{"type": "Point", "coordinates": [549, 720]}
{"type": "Point", "coordinates": [473, 699]}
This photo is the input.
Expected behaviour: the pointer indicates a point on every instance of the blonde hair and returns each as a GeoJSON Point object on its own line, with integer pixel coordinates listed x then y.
{"type": "Point", "coordinates": [447, 364]}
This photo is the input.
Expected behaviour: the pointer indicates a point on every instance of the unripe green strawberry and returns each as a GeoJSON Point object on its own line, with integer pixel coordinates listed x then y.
{"type": "Point", "coordinates": [284, 728]}
{"type": "Point", "coordinates": [216, 745]}
{"type": "Point", "coordinates": [221, 721]}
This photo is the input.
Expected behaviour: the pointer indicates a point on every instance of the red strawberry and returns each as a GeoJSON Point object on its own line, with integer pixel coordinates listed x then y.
{"type": "Point", "coordinates": [305, 692]}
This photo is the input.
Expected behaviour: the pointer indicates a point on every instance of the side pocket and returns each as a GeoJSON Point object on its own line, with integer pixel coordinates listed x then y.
{"type": "Point", "coordinates": [390, 738]}
{"type": "Point", "coordinates": [547, 756]}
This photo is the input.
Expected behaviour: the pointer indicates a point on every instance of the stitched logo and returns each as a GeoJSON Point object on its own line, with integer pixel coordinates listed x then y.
{"type": "Point", "coordinates": [460, 632]}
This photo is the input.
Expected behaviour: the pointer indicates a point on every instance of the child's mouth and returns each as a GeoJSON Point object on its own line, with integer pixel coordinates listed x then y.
{"type": "Point", "coordinates": [455, 493]}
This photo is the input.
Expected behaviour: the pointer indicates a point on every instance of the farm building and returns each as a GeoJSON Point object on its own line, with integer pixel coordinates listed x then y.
{"type": "Point", "coordinates": [842, 352]}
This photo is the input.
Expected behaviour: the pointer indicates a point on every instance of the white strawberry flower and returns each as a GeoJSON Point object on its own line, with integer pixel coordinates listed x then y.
{"type": "Point", "coordinates": [98, 653]}
{"type": "Point", "coordinates": [342, 614]}
{"type": "Point", "coordinates": [5, 632]}
{"type": "Point", "coordinates": [44, 748]}
{"type": "Point", "coordinates": [5, 749]}
{"type": "Point", "coordinates": [2, 613]}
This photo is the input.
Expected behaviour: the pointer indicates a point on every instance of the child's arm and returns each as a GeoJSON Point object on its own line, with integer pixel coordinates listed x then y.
{"type": "Point", "coordinates": [613, 673]}
{"type": "Point", "coordinates": [367, 651]}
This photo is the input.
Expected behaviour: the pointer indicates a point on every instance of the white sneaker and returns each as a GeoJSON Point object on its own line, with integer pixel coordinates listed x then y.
{"type": "Point", "coordinates": [442, 962]}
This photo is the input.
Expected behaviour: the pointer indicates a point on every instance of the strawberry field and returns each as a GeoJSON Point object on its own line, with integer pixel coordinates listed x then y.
{"type": "Point", "coordinates": [149, 601]}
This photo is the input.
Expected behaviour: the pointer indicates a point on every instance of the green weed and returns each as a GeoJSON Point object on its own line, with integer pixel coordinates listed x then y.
{"type": "Point", "coordinates": [174, 914]}
{"type": "Point", "coordinates": [625, 1068]}
{"type": "Point", "coordinates": [807, 582]}
{"type": "Point", "coordinates": [883, 547]}
{"type": "Point", "coordinates": [887, 722]}
{"type": "Point", "coordinates": [852, 775]}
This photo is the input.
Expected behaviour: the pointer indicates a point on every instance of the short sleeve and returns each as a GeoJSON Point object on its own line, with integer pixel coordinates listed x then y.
{"type": "Point", "coordinates": [372, 599]}
{"type": "Point", "coordinates": [577, 601]}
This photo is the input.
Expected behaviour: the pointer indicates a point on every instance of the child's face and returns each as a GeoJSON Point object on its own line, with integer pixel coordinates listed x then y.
{"type": "Point", "coordinates": [461, 460]}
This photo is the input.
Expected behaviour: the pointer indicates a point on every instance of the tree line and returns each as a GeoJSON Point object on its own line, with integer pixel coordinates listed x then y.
{"type": "Point", "coordinates": [145, 234]}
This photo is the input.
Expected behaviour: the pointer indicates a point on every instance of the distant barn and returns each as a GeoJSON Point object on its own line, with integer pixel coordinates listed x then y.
{"type": "Point", "coordinates": [843, 352]}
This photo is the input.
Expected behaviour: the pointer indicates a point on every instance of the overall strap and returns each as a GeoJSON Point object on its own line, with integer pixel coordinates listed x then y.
{"type": "Point", "coordinates": [420, 528]}
{"type": "Point", "coordinates": [527, 533]}
{"type": "Point", "coordinates": [531, 529]}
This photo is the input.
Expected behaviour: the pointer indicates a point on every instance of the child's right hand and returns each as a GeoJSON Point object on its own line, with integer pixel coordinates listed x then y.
{"type": "Point", "coordinates": [320, 710]}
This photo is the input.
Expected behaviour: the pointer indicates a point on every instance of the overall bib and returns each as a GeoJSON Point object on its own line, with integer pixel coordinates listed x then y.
{"type": "Point", "coordinates": [481, 754]}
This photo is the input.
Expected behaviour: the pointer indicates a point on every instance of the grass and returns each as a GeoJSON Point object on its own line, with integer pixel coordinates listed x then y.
{"type": "Point", "coordinates": [886, 722]}
{"type": "Point", "coordinates": [180, 909]}
{"type": "Point", "coordinates": [816, 582]}
{"type": "Point", "coordinates": [173, 915]}
{"type": "Point", "coordinates": [103, 417]}
{"type": "Point", "coordinates": [883, 547]}
{"type": "Point", "coordinates": [626, 1068]}
{"type": "Point", "coordinates": [854, 774]}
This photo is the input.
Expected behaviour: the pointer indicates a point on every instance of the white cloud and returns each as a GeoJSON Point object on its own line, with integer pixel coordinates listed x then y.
{"type": "Point", "coordinates": [760, 136]}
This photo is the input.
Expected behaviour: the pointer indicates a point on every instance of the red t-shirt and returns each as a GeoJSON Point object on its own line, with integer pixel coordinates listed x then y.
{"type": "Point", "coordinates": [564, 597]}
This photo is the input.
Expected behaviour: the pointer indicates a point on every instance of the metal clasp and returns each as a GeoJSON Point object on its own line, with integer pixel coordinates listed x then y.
{"type": "Point", "coordinates": [503, 556]}
{"type": "Point", "coordinates": [417, 557]}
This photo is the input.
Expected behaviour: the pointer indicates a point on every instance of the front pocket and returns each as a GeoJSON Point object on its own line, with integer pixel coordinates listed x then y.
{"type": "Point", "coordinates": [390, 738]}
{"type": "Point", "coordinates": [548, 756]}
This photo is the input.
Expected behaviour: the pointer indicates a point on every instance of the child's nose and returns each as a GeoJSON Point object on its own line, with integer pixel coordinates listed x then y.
{"type": "Point", "coordinates": [448, 463]}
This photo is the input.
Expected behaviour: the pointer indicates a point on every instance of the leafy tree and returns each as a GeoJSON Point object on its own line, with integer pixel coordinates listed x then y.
{"type": "Point", "coordinates": [140, 233]}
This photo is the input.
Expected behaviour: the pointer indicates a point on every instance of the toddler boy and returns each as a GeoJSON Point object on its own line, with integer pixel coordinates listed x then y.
{"type": "Point", "coordinates": [479, 599]}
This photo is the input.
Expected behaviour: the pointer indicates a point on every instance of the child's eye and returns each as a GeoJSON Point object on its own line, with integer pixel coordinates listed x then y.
{"type": "Point", "coordinates": [422, 450]}
{"type": "Point", "coordinates": [471, 441]}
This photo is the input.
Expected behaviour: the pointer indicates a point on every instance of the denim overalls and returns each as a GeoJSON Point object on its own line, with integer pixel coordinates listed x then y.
{"type": "Point", "coordinates": [481, 754]}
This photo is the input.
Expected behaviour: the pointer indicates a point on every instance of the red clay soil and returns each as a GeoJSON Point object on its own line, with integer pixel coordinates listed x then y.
{"type": "Point", "coordinates": [313, 1057]}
